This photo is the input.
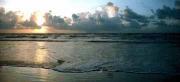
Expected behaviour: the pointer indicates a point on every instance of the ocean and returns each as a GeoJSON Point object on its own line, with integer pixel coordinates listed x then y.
{"type": "Point", "coordinates": [150, 57]}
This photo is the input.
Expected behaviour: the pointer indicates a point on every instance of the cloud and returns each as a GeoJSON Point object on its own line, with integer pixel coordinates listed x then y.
{"type": "Point", "coordinates": [75, 18]}
{"type": "Point", "coordinates": [130, 14]}
{"type": "Point", "coordinates": [167, 12]}
{"type": "Point", "coordinates": [7, 20]}
{"type": "Point", "coordinates": [167, 17]}
{"type": "Point", "coordinates": [108, 18]}
{"type": "Point", "coordinates": [2, 11]}
{"type": "Point", "coordinates": [105, 18]}
{"type": "Point", "coordinates": [55, 21]}
{"type": "Point", "coordinates": [111, 10]}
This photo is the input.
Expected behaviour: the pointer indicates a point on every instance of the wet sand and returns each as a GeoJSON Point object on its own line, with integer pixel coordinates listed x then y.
{"type": "Point", "coordinates": [27, 74]}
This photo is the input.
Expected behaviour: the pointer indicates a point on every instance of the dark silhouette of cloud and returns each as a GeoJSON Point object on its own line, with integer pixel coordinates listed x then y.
{"type": "Point", "coordinates": [75, 17]}
{"type": "Point", "coordinates": [167, 18]}
{"type": "Point", "coordinates": [167, 12]}
{"type": "Point", "coordinates": [55, 21]}
{"type": "Point", "coordinates": [129, 14]}
{"type": "Point", "coordinates": [7, 20]}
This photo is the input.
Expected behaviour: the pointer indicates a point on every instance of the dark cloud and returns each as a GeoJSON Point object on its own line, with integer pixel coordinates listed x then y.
{"type": "Point", "coordinates": [75, 18]}
{"type": "Point", "coordinates": [110, 4]}
{"type": "Point", "coordinates": [55, 21]}
{"type": "Point", "coordinates": [167, 12]}
{"type": "Point", "coordinates": [7, 20]}
{"type": "Point", "coordinates": [129, 14]}
{"type": "Point", "coordinates": [2, 11]}
{"type": "Point", "coordinates": [166, 19]}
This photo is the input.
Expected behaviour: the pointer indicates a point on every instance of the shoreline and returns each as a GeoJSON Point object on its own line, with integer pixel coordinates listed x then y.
{"type": "Point", "coordinates": [8, 74]}
{"type": "Point", "coordinates": [99, 70]}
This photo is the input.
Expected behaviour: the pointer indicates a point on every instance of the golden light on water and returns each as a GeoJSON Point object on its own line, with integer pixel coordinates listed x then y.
{"type": "Point", "coordinates": [41, 53]}
{"type": "Point", "coordinates": [42, 29]}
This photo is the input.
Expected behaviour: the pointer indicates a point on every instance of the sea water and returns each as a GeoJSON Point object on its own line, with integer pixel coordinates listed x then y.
{"type": "Point", "coordinates": [82, 53]}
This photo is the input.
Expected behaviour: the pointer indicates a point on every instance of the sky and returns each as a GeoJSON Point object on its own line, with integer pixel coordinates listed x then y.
{"type": "Point", "coordinates": [68, 7]}
{"type": "Point", "coordinates": [92, 15]}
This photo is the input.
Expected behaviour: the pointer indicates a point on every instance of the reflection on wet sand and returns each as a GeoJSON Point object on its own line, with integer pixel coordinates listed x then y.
{"type": "Point", "coordinates": [33, 54]}
{"type": "Point", "coordinates": [40, 53]}
{"type": "Point", "coordinates": [24, 74]}
{"type": "Point", "coordinates": [43, 74]}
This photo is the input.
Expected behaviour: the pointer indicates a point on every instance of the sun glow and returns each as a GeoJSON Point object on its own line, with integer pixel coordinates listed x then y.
{"type": "Point", "coordinates": [39, 19]}
{"type": "Point", "coordinates": [59, 7]}
{"type": "Point", "coordinates": [43, 29]}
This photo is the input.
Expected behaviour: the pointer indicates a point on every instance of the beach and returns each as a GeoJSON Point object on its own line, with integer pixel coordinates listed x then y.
{"type": "Point", "coordinates": [26, 74]}
{"type": "Point", "coordinates": [89, 58]}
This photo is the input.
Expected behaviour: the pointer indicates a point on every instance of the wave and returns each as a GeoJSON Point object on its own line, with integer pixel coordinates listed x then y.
{"type": "Point", "coordinates": [136, 58]}
{"type": "Point", "coordinates": [95, 65]}
{"type": "Point", "coordinates": [92, 37]}
{"type": "Point", "coordinates": [110, 66]}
